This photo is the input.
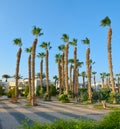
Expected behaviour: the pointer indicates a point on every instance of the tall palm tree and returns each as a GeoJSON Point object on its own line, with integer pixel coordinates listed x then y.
{"type": "Point", "coordinates": [88, 68]}
{"type": "Point", "coordinates": [62, 48]}
{"type": "Point", "coordinates": [29, 50]}
{"type": "Point", "coordinates": [17, 42]}
{"type": "Point", "coordinates": [74, 43]}
{"type": "Point", "coordinates": [41, 56]}
{"type": "Point", "coordinates": [107, 22]}
{"type": "Point", "coordinates": [58, 60]}
{"type": "Point", "coordinates": [36, 32]}
{"type": "Point", "coordinates": [47, 47]}
{"type": "Point", "coordinates": [65, 38]}
{"type": "Point", "coordinates": [6, 76]}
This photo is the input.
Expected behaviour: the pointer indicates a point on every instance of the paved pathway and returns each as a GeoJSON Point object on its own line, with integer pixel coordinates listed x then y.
{"type": "Point", "coordinates": [12, 114]}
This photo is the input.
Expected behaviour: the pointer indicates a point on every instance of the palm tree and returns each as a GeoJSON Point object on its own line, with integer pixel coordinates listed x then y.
{"type": "Point", "coordinates": [17, 42]}
{"type": "Point", "coordinates": [29, 50]}
{"type": "Point", "coordinates": [6, 76]}
{"type": "Point", "coordinates": [94, 78]}
{"type": "Point", "coordinates": [71, 61]}
{"type": "Point", "coordinates": [65, 38]}
{"type": "Point", "coordinates": [78, 65]}
{"type": "Point", "coordinates": [118, 81]}
{"type": "Point", "coordinates": [107, 22]}
{"type": "Point", "coordinates": [83, 74]}
{"type": "Point", "coordinates": [58, 60]}
{"type": "Point", "coordinates": [103, 75]}
{"type": "Point", "coordinates": [62, 48]}
{"type": "Point", "coordinates": [74, 43]}
{"type": "Point", "coordinates": [108, 79]}
{"type": "Point", "coordinates": [88, 68]}
{"type": "Point", "coordinates": [47, 47]}
{"type": "Point", "coordinates": [37, 32]}
{"type": "Point", "coordinates": [56, 80]}
{"type": "Point", "coordinates": [41, 56]}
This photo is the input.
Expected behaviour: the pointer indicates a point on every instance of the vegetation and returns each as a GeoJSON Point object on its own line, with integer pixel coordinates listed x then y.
{"type": "Point", "coordinates": [110, 121]}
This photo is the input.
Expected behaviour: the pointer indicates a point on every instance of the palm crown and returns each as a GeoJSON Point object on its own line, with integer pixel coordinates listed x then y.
{"type": "Point", "coordinates": [105, 22]}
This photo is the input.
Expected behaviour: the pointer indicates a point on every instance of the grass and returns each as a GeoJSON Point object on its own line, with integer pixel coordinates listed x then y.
{"type": "Point", "coordinates": [110, 121]}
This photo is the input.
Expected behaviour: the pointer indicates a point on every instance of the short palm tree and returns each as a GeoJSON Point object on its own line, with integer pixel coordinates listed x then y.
{"type": "Point", "coordinates": [88, 68]}
{"type": "Point", "coordinates": [58, 60]}
{"type": "Point", "coordinates": [65, 38]}
{"type": "Point", "coordinates": [36, 32]}
{"type": "Point", "coordinates": [83, 74]}
{"type": "Point", "coordinates": [56, 80]}
{"type": "Point", "coordinates": [6, 76]}
{"type": "Point", "coordinates": [107, 22]}
{"type": "Point", "coordinates": [41, 56]}
{"type": "Point", "coordinates": [71, 61]}
{"type": "Point", "coordinates": [118, 81]}
{"type": "Point", "coordinates": [103, 75]}
{"type": "Point", "coordinates": [29, 50]}
{"type": "Point", "coordinates": [17, 42]}
{"type": "Point", "coordinates": [47, 47]}
{"type": "Point", "coordinates": [94, 78]}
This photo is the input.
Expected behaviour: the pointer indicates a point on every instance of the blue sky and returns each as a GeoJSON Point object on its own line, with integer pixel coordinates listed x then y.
{"type": "Point", "coordinates": [77, 18]}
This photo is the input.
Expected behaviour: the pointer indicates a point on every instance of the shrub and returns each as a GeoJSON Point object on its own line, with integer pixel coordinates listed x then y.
{"type": "Point", "coordinates": [53, 90]}
{"type": "Point", "coordinates": [63, 98]}
{"type": "Point", "coordinates": [46, 98]}
{"type": "Point", "coordinates": [110, 121]}
{"type": "Point", "coordinates": [11, 93]}
{"type": "Point", "coordinates": [26, 91]}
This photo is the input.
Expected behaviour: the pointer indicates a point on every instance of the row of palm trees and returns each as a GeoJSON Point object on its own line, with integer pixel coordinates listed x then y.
{"type": "Point", "coordinates": [62, 60]}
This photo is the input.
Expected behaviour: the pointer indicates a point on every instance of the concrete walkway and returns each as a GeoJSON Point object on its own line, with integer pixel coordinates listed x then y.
{"type": "Point", "coordinates": [12, 114]}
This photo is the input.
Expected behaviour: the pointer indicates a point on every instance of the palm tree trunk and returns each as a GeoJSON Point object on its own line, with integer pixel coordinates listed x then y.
{"type": "Point", "coordinates": [29, 73]}
{"type": "Point", "coordinates": [59, 72]}
{"type": "Point", "coordinates": [47, 75]}
{"type": "Point", "coordinates": [88, 75]}
{"type": "Point", "coordinates": [103, 82]}
{"type": "Point", "coordinates": [110, 61]}
{"type": "Point", "coordinates": [33, 71]}
{"type": "Point", "coordinates": [66, 68]}
{"type": "Point", "coordinates": [71, 85]}
{"type": "Point", "coordinates": [63, 72]}
{"type": "Point", "coordinates": [75, 70]}
{"type": "Point", "coordinates": [17, 73]}
{"type": "Point", "coordinates": [41, 79]}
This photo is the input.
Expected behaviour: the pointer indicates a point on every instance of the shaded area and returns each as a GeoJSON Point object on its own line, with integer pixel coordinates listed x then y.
{"type": "Point", "coordinates": [20, 117]}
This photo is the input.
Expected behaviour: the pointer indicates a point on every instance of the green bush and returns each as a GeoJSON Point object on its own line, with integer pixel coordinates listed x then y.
{"type": "Point", "coordinates": [11, 93]}
{"type": "Point", "coordinates": [110, 121]}
{"type": "Point", "coordinates": [104, 93]}
{"type": "Point", "coordinates": [53, 90]}
{"type": "Point", "coordinates": [26, 91]}
{"type": "Point", "coordinates": [63, 98]}
{"type": "Point", "coordinates": [46, 98]}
